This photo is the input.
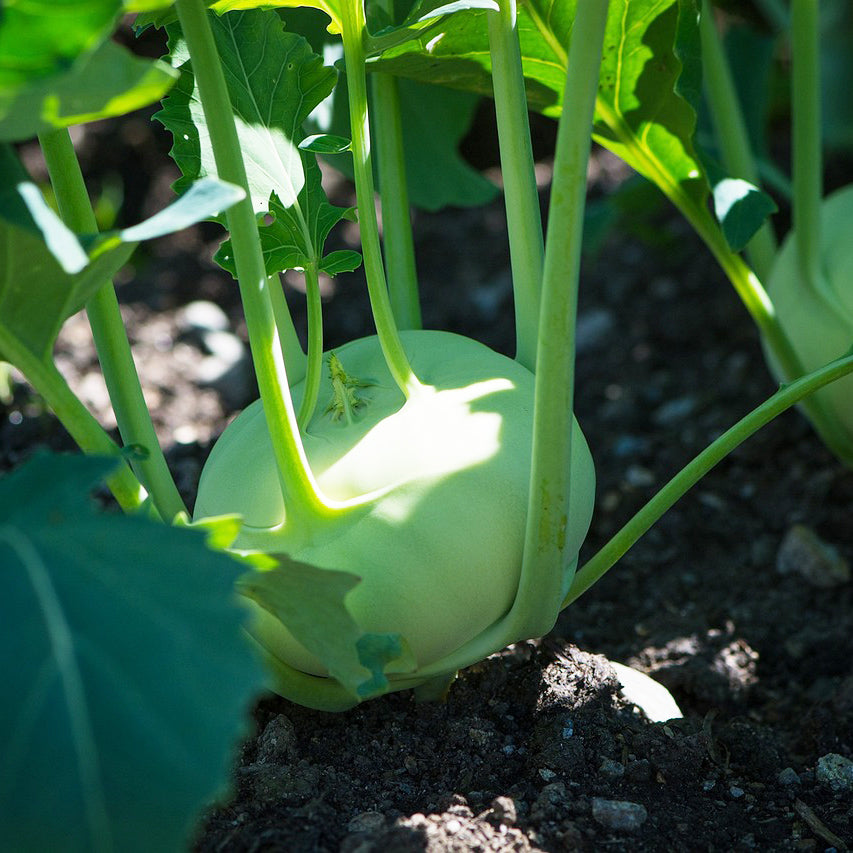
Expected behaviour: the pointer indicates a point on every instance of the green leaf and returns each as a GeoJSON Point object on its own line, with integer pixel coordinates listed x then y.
{"type": "Point", "coordinates": [275, 80]}
{"type": "Point", "coordinates": [424, 17]}
{"type": "Point", "coordinates": [648, 85]}
{"type": "Point", "coordinates": [49, 273]}
{"type": "Point", "coordinates": [310, 602]}
{"type": "Point", "coordinates": [740, 207]}
{"type": "Point", "coordinates": [343, 260]}
{"type": "Point", "coordinates": [43, 37]}
{"type": "Point", "coordinates": [434, 121]}
{"type": "Point", "coordinates": [108, 81]}
{"type": "Point", "coordinates": [289, 241]}
{"type": "Point", "coordinates": [325, 143]}
{"type": "Point", "coordinates": [205, 198]}
{"type": "Point", "coordinates": [331, 8]}
{"type": "Point", "coordinates": [646, 108]}
{"type": "Point", "coordinates": [125, 675]}
{"type": "Point", "coordinates": [46, 274]}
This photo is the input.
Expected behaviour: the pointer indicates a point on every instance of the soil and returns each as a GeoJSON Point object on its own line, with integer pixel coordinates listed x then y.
{"type": "Point", "coordinates": [729, 601]}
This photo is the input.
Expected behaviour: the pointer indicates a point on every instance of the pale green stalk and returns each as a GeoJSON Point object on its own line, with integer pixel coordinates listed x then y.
{"type": "Point", "coordinates": [291, 349]}
{"type": "Point", "coordinates": [807, 154]}
{"type": "Point", "coordinates": [111, 343]}
{"type": "Point", "coordinates": [397, 238]}
{"type": "Point", "coordinates": [544, 565]}
{"type": "Point", "coordinates": [389, 338]}
{"type": "Point", "coordinates": [300, 491]}
{"type": "Point", "coordinates": [731, 133]}
{"type": "Point", "coordinates": [784, 399]}
{"type": "Point", "coordinates": [315, 347]}
{"type": "Point", "coordinates": [524, 221]}
{"type": "Point", "coordinates": [81, 424]}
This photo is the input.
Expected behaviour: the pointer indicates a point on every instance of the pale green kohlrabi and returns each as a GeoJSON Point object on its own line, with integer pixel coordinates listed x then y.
{"type": "Point", "coordinates": [438, 484]}
{"type": "Point", "coordinates": [819, 320]}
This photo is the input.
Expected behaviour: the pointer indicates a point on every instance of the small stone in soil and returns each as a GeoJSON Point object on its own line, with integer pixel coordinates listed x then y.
{"type": "Point", "coordinates": [803, 552]}
{"type": "Point", "coordinates": [835, 772]}
{"type": "Point", "coordinates": [503, 811]}
{"type": "Point", "coordinates": [788, 777]}
{"type": "Point", "coordinates": [611, 769]}
{"type": "Point", "coordinates": [278, 741]}
{"type": "Point", "coordinates": [619, 814]}
{"type": "Point", "coordinates": [367, 822]}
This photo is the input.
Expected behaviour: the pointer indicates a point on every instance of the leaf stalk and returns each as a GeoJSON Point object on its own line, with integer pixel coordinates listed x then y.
{"type": "Point", "coordinates": [353, 33]}
{"type": "Point", "coordinates": [785, 398]}
{"type": "Point", "coordinates": [81, 424]}
{"type": "Point", "coordinates": [398, 240]}
{"type": "Point", "coordinates": [524, 220]}
{"type": "Point", "coordinates": [111, 343]}
{"type": "Point", "coordinates": [545, 564]}
{"type": "Point", "coordinates": [731, 133]}
{"type": "Point", "coordinates": [806, 141]}
{"type": "Point", "coordinates": [300, 491]}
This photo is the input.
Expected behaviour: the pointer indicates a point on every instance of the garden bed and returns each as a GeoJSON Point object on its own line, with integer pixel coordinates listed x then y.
{"type": "Point", "coordinates": [729, 601]}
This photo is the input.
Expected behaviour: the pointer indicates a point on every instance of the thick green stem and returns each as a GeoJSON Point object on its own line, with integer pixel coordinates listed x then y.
{"type": "Point", "coordinates": [291, 349]}
{"type": "Point", "coordinates": [397, 239]}
{"type": "Point", "coordinates": [111, 343]}
{"type": "Point", "coordinates": [315, 347]}
{"type": "Point", "coordinates": [389, 338]}
{"type": "Point", "coordinates": [545, 564]}
{"type": "Point", "coordinates": [81, 424]}
{"type": "Point", "coordinates": [302, 497]}
{"type": "Point", "coordinates": [807, 155]}
{"type": "Point", "coordinates": [524, 221]}
{"type": "Point", "coordinates": [731, 133]}
{"type": "Point", "coordinates": [783, 399]}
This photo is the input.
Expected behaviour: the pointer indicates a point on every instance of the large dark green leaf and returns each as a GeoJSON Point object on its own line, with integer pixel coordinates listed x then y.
{"type": "Point", "coordinates": [126, 678]}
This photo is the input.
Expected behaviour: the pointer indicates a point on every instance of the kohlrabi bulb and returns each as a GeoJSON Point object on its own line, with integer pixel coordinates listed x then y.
{"type": "Point", "coordinates": [819, 321]}
{"type": "Point", "coordinates": [439, 543]}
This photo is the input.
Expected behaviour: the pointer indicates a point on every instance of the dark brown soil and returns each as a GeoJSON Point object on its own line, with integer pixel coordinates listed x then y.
{"type": "Point", "coordinates": [534, 749]}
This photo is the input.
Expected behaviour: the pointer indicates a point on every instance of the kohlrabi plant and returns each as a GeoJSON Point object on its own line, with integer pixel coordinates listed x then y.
{"type": "Point", "coordinates": [809, 279]}
{"type": "Point", "coordinates": [398, 508]}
